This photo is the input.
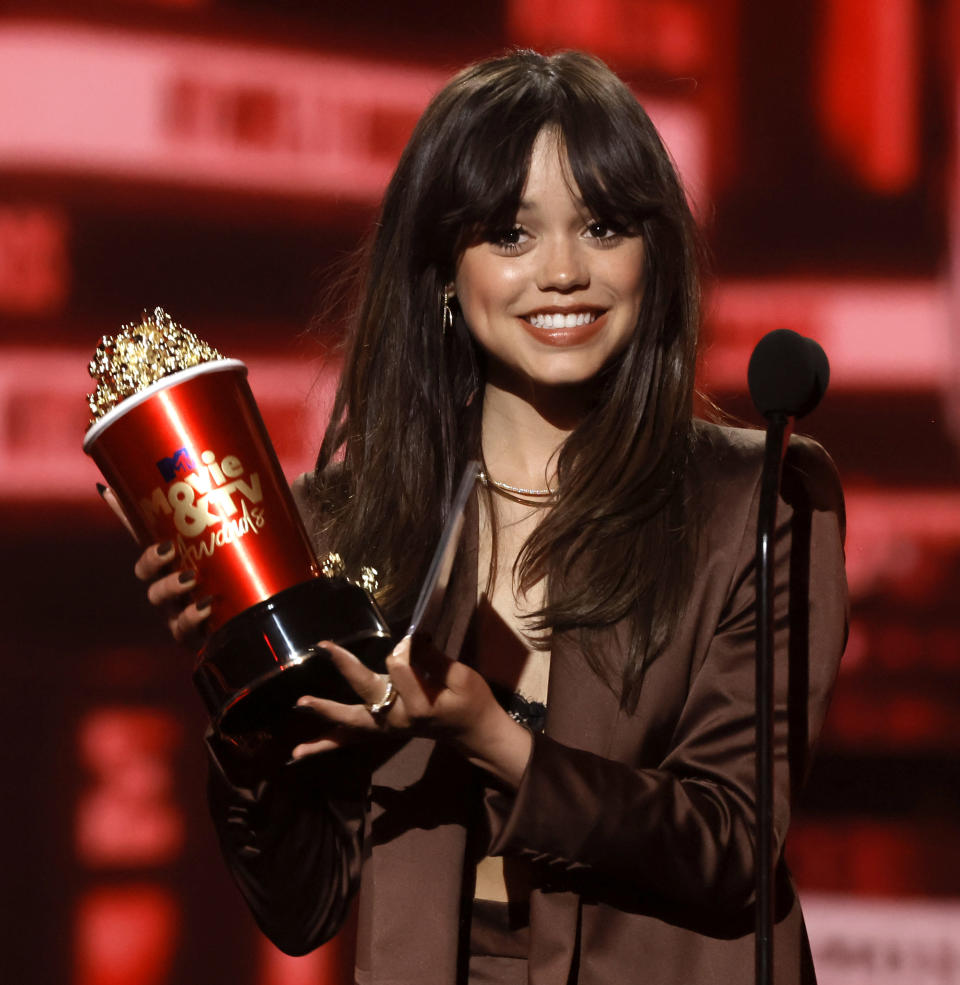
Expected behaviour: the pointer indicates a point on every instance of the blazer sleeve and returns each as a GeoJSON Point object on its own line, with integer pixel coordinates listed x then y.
{"type": "Point", "coordinates": [291, 835]}
{"type": "Point", "coordinates": [292, 842]}
{"type": "Point", "coordinates": [685, 830]}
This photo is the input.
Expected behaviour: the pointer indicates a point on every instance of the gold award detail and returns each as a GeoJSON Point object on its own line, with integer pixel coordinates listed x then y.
{"type": "Point", "coordinates": [139, 355]}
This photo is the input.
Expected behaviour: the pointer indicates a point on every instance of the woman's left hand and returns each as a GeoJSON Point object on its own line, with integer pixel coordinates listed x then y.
{"type": "Point", "coordinates": [439, 698]}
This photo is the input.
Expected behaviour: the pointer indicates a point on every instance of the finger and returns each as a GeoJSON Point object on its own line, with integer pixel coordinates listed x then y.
{"type": "Point", "coordinates": [400, 655]}
{"type": "Point", "coordinates": [429, 662]}
{"type": "Point", "coordinates": [400, 670]}
{"type": "Point", "coordinates": [352, 716]}
{"type": "Point", "coordinates": [110, 498]}
{"type": "Point", "coordinates": [415, 661]}
{"type": "Point", "coordinates": [312, 748]}
{"type": "Point", "coordinates": [171, 588]}
{"type": "Point", "coordinates": [366, 683]}
{"type": "Point", "coordinates": [154, 560]}
{"type": "Point", "coordinates": [187, 625]}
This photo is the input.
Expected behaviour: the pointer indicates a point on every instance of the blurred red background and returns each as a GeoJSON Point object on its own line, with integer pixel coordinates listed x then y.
{"type": "Point", "coordinates": [223, 158]}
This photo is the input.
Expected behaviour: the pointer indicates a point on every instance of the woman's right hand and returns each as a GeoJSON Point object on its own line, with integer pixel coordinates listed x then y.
{"type": "Point", "coordinates": [166, 589]}
{"type": "Point", "coordinates": [169, 590]}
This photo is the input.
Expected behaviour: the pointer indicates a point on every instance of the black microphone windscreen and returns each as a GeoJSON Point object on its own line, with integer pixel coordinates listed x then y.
{"type": "Point", "coordinates": [788, 374]}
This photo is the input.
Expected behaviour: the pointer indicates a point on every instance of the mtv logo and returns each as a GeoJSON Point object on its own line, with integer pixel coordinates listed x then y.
{"type": "Point", "coordinates": [179, 463]}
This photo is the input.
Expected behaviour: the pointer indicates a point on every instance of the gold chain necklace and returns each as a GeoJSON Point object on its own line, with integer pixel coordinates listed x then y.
{"type": "Point", "coordinates": [516, 490]}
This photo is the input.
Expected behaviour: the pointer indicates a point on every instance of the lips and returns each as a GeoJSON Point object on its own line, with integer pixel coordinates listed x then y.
{"type": "Point", "coordinates": [561, 329]}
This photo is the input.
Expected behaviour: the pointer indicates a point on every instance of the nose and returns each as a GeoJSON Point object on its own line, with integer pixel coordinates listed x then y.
{"type": "Point", "coordinates": [562, 265]}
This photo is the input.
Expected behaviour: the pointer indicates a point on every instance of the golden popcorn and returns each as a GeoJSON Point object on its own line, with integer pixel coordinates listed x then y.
{"type": "Point", "coordinates": [139, 355]}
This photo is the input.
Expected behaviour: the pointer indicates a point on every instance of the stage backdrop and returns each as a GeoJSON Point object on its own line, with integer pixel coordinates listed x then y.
{"type": "Point", "coordinates": [224, 158]}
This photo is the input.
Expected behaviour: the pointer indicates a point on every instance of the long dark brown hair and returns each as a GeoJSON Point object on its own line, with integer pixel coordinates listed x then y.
{"type": "Point", "coordinates": [618, 542]}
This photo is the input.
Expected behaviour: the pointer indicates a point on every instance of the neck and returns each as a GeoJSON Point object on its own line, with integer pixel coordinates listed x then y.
{"type": "Point", "coordinates": [523, 433]}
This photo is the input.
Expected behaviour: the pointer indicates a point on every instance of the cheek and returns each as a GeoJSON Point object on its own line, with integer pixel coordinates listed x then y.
{"type": "Point", "coordinates": [468, 287]}
{"type": "Point", "coordinates": [487, 284]}
{"type": "Point", "coordinates": [472, 307]}
{"type": "Point", "coordinates": [631, 275]}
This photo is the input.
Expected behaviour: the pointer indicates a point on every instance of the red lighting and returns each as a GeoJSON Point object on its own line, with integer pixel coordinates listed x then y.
{"type": "Point", "coordinates": [127, 816]}
{"type": "Point", "coordinates": [869, 89]}
{"type": "Point", "coordinates": [185, 111]}
{"type": "Point", "coordinates": [885, 529]}
{"type": "Point", "coordinates": [125, 936]}
{"type": "Point", "coordinates": [327, 965]}
{"type": "Point", "coordinates": [860, 323]}
{"type": "Point", "coordinates": [664, 35]}
{"type": "Point", "coordinates": [34, 265]}
{"type": "Point", "coordinates": [179, 4]}
{"type": "Point", "coordinates": [858, 940]}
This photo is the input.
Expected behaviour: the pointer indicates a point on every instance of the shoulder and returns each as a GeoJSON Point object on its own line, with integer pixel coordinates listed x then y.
{"type": "Point", "coordinates": [722, 447]}
{"type": "Point", "coordinates": [727, 462]}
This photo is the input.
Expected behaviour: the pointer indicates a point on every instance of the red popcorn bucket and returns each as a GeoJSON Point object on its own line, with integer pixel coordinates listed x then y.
{"type": "Point", "coordinates": [190, 461]}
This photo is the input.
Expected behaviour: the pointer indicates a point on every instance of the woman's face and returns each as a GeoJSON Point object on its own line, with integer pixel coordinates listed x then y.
{"type": "Point", "coordinates": [557, 297]}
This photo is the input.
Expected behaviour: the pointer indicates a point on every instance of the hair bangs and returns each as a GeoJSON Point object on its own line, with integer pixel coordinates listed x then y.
{"type": "Point", "coordinates": [615, 154]}
{"type": "Point", "coordinates": [613, 169]}
{"type": "Point", "coordinates": [489, 169]}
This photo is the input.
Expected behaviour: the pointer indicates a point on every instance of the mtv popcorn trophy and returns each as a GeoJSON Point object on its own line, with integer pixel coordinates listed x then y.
{"type": "Point", "coordinates": [177, 434]}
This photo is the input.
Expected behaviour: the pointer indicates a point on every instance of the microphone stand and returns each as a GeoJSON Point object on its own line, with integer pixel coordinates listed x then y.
{"type": "Point", "coordinates": [787, 375]}
{"type": "Point", "coordinates": [779, 426]}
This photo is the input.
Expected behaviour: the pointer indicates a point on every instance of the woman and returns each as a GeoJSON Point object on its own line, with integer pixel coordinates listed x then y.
{"type": "Point", "coordinates": [531, 299]}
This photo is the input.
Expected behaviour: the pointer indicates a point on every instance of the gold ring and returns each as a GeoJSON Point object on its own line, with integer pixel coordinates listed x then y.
{"type": "Point", "coordinates": [381, 707]}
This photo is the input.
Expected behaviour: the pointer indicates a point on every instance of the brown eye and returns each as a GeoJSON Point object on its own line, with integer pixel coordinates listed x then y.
{"type": "Point", "coordinates": [604, 234]}
{"type": "Point", "coordinates": [509, 237]}
{"type": "Point", "coordinates": [601, 230]}
{"type": "Point", "coordinates": [510, 240]}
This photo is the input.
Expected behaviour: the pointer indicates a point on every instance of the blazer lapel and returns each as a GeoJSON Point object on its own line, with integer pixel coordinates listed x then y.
{"type": "Point", "coordinates": [416, 830]}
{"type": "Point", "coordinates": [583, 711]}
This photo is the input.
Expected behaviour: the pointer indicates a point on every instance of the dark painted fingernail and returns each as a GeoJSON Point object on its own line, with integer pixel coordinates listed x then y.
{"type": "Point", "coordinates": [186, 576]}
{"type": "Point", "coordinates": [204, 603]}
{"type": "Point", "coordinates": [101, 489]}
{"type": "Point", "coordinates": [165, 548]}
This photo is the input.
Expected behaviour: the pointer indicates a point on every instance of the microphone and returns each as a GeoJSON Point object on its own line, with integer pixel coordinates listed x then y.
{"type": "Point", "coordinates": [788, 374]}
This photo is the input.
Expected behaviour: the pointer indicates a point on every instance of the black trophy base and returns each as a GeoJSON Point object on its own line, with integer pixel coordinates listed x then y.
{"type": "Point", "coordinates": [254, 668]}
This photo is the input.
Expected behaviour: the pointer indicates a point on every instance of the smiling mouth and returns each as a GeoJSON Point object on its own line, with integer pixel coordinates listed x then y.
{"type": "Point", "coordinates": [558, 320]}
{"type": "Point", "coordinates": [564, 329]}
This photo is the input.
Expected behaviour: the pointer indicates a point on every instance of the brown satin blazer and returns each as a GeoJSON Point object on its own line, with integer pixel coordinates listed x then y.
{"type": "Point", "coordinates": [640, 826]}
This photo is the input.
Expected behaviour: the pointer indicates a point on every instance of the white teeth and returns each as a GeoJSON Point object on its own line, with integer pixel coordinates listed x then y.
{"type": "Point", "coordinates": [563, 321]}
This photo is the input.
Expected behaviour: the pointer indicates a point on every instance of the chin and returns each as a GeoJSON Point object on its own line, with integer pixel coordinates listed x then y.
{"type": "Point", "coordinates": [564, 378]}
{"type": "Point", "coordinates": [571, 369]}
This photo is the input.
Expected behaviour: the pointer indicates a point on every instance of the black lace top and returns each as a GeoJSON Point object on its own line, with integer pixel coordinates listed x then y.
{"type": "Point", "coordinates": [530, 714]}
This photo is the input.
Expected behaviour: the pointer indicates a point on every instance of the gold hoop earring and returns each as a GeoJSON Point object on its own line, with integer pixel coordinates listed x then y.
{"type": "Point", "coordinates": [446, 315]}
